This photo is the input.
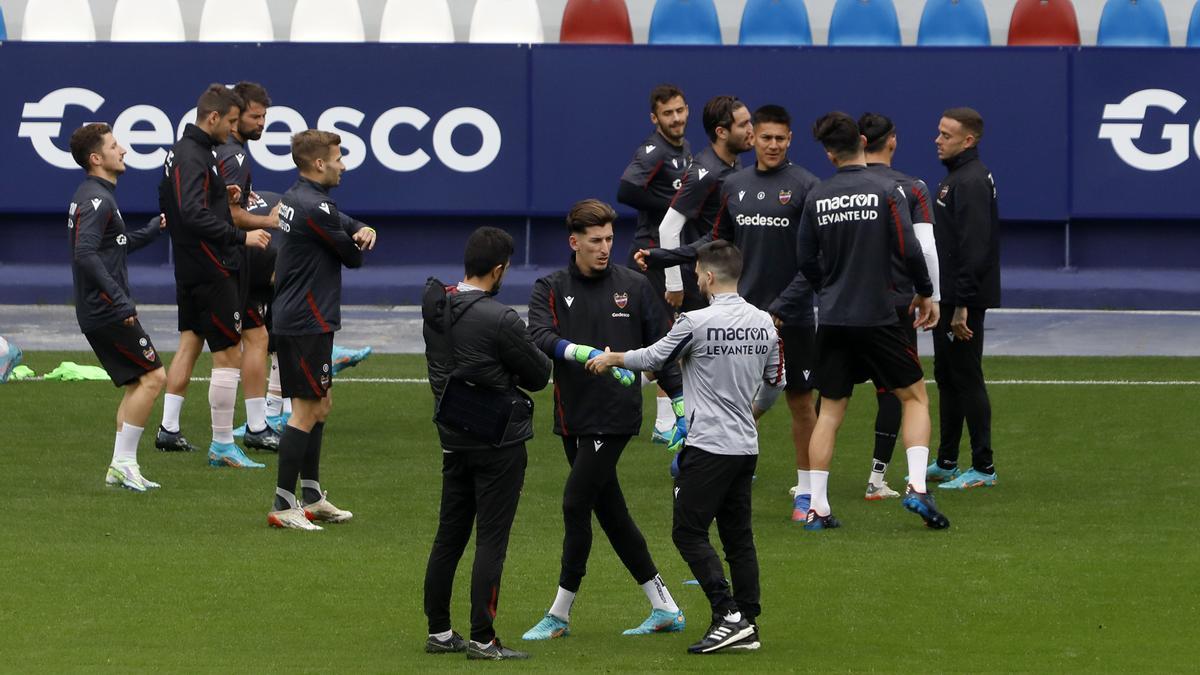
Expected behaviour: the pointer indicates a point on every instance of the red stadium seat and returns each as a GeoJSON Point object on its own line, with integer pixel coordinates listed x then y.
{"type": "Point", "coordinates": [1043, 22]}
{"type": "Point", "coordinates": [596, 21]}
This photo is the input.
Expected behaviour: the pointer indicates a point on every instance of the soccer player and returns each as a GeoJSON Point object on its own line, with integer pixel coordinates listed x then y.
{"type": "Point", "coordinates": [852, 224]}
{"type": "Point", "coordinates": [648, 184]}
{"type": "Point", "coordinates": [695, 206]}
{"type": "Point", "coordinates": [318, 239]}
{"type": "Point", "coordinates": [103, 304]}
{"type": "Point", "coordinates": [760, 212]}
{"type": "Point", "coordinates": [258, 265]}
{"type": "Point", "coordinates": [206, 245]}
{"type": "Point", "coordinates": [467, 331]}
{"type": "Point", "coordinates": [880, 146]}
{"type": "Point", "coordinates": [968, 238]}
{"type": "Point", "coordinates": [732, 372]}
{"type": "Point", "coordinates": [593, 302]}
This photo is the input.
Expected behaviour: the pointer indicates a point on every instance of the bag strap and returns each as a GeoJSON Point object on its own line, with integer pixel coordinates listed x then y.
{"type": "Point", "coordinates": [448, 321]}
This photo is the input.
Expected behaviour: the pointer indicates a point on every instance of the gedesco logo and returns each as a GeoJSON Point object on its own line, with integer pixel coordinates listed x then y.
{"type": "Point", "coordinates": [1132, 113]}
{"type": "Point", "coordinates": [147, 132]}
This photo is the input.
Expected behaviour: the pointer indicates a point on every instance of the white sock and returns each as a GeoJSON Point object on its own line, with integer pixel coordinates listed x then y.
{"type": "Point", "coordinates": [274, 405]}
{"type": "Point", "coordinates": [733, 617]}
{"type": "Point", "coordinates": [878, 468]}
{"type": "Point", "coordinates": [287, 497]}
{"type": "Point", "coordinates": [820, 492]}
{"type": "Point", "coordinates": [918, 459]}
{"type": "Point", "coordinates": [172, 404]}
{"type": "Point", "coordinates": [442, 637]}
{"type": "Point", "coordinates": [256, 414]}
{"type": "Point", "coordinates": [666, 416]}
{"type": "Point", "coordinates": [125, 448]}
{"type": "Point", "coordinates": [222, 397]}
{"type": "Point", "coordinates": [659, 596]}
{"type": "Point", "coordinates": [803, 482]}
{"type": "Point", "coordinates": [562, 604]}
{"type": "Point", "coordinates": [287, 406]}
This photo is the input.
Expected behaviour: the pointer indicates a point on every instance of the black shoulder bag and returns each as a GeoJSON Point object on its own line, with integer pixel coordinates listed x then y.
{"type": "Point", "coordinates": [497, 418]}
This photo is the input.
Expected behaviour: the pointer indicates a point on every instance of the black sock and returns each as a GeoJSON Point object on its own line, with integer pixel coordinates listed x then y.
{"type": "Point", "coordinates": [887, 426]}
{"type": "Point", "coordinates": [292, 448]}
{"type": "Point", "coordinates": [311, 468]}
{"type": "Point", "coordinates": [946, 464]}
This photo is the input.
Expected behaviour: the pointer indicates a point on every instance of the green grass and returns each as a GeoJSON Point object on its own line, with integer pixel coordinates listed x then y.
{"type": "Point", "coordinates": [1084, 558]}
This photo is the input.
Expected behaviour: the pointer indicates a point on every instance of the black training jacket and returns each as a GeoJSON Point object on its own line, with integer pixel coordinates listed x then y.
{"type": "Point", "coordinates": [192, 196]}
{"type": "Point", "coordinates": [491, 349]}
{"type": "Point", "coordinates": [920, 210]}
{"type": "Point", "coordinates": [99, 243]}
{"type": "Point", "coordinates": [852, 224]}
{"type": "Point", "coordinates": [699, 197]}
{"type": "Point", "coordinates": [968, 233]}
{"type": "Point", "coordinates": [617, 309]}
{"type": "Point", "coordinates": [236, 168]}
{"type": "Point", "coordinates": [651, 180]}
{"type": "Point", "coordinates": [316, 242]}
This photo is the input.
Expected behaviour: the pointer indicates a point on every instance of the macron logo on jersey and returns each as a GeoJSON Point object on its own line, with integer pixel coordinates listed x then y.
{"type": "Point", "coordinates": [741, 194]}
{"type": "Point", "coordinates": [96, 204]}
{"type": "Point", "coordinates": [703, 172]}
{"type": "Point", "coordinates": [240, 159]}
{"type": "Point", "coordinates": [675, 163]}
{"type": "Point", "coordinates": [324, 207]}
{"type": "Point", "coordinates": [650, 148]}
{"type": "Point", "coordinates": [570, 299]}
{"type": "Point", "coordinates": [598, 444]}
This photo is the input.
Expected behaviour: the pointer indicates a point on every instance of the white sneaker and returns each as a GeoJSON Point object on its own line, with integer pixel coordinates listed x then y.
{"type": "Point", "coordinates": [128, 477]}
{"type": "Point", "coordinates": [290, 519]}
{"type": "Point", "coordinates": [875, 494]}
{"type": "Point", "coordinates": [326, 512]}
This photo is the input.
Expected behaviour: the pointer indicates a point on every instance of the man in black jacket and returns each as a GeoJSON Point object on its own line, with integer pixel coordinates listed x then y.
{"type": "Point", "coordinates": [593, 302]}
{"type": "Point", "coordinates": [488, 346]}
{"type": "Point", "coordinates": [968, 242]}
{"type": "Point", "coordinates": [103, 304]}
{"type": "Point", "coordinates": [648, 184]}
{"type": "Point", "coordinates": [317, 240]}
{"type": "Point", "coordinates": [208, 256]}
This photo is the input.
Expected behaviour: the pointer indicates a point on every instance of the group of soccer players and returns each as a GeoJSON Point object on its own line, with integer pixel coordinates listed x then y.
{"type": "Point", "coordinates": [255, 273]}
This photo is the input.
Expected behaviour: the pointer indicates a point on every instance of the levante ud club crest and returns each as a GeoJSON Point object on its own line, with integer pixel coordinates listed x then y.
{"type": "Point", "coordinates": [785, 196]}
{"type": "Point", "coordinates": [621, 299]}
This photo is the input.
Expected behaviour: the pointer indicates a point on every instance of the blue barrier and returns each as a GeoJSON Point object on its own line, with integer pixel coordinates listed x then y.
{"type": "Point", "coordinates": [505, 130]}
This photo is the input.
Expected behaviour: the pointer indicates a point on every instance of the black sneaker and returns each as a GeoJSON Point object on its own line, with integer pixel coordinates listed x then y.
{"type": "Point", "coordinates": [456, 644]}
{"type": "Point", "coordinates": [267, 439]}
{"type": "Point", "coordinates": [172, 441]}
{"type": "Point", "coordinates": [492, 651]}
{"type": "Point", "coordinates": [749, 643]}
{"type": "Point", "coordinates": [720, 635]}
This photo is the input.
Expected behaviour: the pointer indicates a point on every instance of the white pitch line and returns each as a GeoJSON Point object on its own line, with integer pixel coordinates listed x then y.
{"type": "Point", "coordinates": [1061, 383]}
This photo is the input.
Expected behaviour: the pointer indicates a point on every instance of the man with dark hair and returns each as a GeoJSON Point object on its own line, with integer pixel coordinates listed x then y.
{"type": "Point", "coordinates": [103, 304]}
{"type": "Point", "coordinates": [968, 239]}
{"type": "Point", "coordinates": [206, 245]}
{"type": "Point", "coordinates": [317, 240]}
{"type": "Point", "coordinates": [470, 335]}
{"type": "Point", "coordinates": [258, 265]}
{"type": "Point", "coordinates": [852, 224]}
{"type": "Point", "coordinates": [698, 201]}
{"type": "Point", "coordinates": [732, 364]}
{"type": "Point", "coordinates": [593, 302]}
{"type": "Point", "coordinates": [648, 184]}
{"type": "Point", "coordinates": [879, 135]}
{"type": "Point", "coordinates": [760, 212]}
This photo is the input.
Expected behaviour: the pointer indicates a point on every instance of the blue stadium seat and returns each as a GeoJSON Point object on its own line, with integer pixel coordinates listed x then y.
{"type": "Point", "coordinates": [870, 23]}
{"type": "Point", "coordinates": [685, 22]}
{"type": "Point", "coordinates": [775, 22]}
{"type": "Point", "coordinates": [1193, 36]}
{"type": "Point", "coordinates": [1133, 23]}
{"type": "Point", "coordinates": [954, 23]}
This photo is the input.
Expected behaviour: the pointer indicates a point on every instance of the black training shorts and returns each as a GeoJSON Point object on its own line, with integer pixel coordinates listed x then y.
{"type": "Point", "coordinates": [126, 352]}
{"type": "Point", "coordinates": [882, 353]}
{"type": "Point", "coordinates": [305, 365]}
{"type": "Point", "coordinates": [799, 357]}
{"type": "Point", "coordinates": [213, 311]}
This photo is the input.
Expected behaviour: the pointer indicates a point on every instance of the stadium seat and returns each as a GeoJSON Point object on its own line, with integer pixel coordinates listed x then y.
{"type": "Point", "coordinates": [327, 21]}
{"type": "Point", "coordinates": [253, 23]}
{"type": "Point", "coordinates": [507, 21]}
{"type": "Point", "coordinates": [1193, 34]}
{"type": "Point", "coordinates": [867, 23]}
{"type": "Point", "coordinates": [954, 23]}
{"type": "Point", "coordinates": [58, 21]}
{"type": "Point", "coordinates": [596, 21]}
{"type": "Point", "coordinates": [775, 22]}
{"type": "Point", "coordinates": [147, 21]}
{"type": "Point", "coordinates": [1043, 23]}
{"type": "Point", "coordinates": [416, 21]}
{"type": "Point", "coordinates": [1133, 23]}
{"type": "Point", "coordinates": [685, 22]}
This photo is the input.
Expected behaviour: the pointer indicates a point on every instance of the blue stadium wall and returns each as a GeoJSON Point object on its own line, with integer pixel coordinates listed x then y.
{"type": "Point", "coordinates": [1095, 152]}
